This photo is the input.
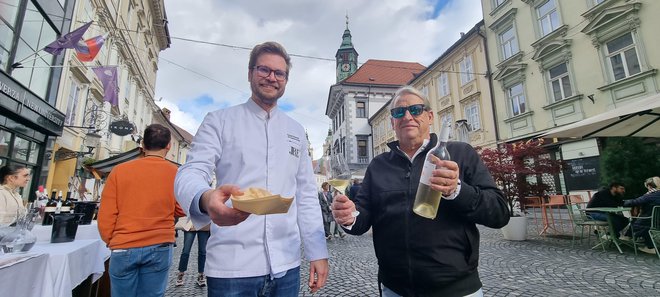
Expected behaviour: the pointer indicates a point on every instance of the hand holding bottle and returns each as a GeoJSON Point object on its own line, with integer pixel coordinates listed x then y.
{"type": "Point", "coordinates": [445, 177]}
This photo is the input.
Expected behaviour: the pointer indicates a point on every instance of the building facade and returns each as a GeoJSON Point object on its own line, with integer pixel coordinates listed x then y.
{"type": "Point", "coordinates": [458, 88]}
{"type": "Point", "coordinates": [556, 62]}
{"type": "Point", "coordinates": [136, 32]}
{"type": "Point", "coordinates": [29, 79]}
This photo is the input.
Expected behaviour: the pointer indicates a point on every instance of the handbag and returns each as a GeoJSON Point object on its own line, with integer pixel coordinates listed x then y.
{"type": "Point", "coordinates": [184, 224]}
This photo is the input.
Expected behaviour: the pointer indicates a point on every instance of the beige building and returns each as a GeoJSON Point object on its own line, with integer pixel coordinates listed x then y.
{"type": "Point", "coordinates": [181, 139]}
{"type": "Point", "coordinates": [459, 90]}
{"type": "Point", "coordinates": [136, 33]}
{"type": "Point", "coordinates": [556, 62]}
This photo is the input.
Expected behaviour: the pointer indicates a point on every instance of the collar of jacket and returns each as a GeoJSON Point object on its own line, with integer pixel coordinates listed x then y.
{"type": "Point", "coordinates": [394, 146]}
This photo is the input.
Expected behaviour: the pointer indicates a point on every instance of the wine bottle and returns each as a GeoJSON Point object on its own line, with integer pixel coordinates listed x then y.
{"type": "Point", "coordinates": [51, 206]}
{"type": "Point", "coordinates": [58, 208]}
{"type": "Point", "coordinates": [66, 204]}
{"type": "Point", "coordinates": [427, 199]}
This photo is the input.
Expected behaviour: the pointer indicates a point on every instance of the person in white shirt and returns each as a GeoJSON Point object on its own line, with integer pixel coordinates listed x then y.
{"type": "Point", "coordinates": [255, 144]}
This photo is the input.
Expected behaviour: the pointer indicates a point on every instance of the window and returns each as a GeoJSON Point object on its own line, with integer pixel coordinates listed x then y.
{"type": "Point", "coordinates": [517, 99]}
{"type": "Point", "coordinates": [72, 105]}
{"type": "Point", "coordinates": [361, 109]}
{"type": "Point", "coordinates": [548, 17]}
{"type": "Point", "coordinates": [36, 33]}
{"type": "Point", "coordinates": [622, 56]}
{"type": "Point", "coordinates": [499, 2]}
{"type": "Point", "coordinates": [425, 90]}
{"type": "Point", "coordinates": [596, 2]}
{"type": "Point", "coordinates": [8, 13]}
{"type": "Point", "coordinates": [466, 70]}
{"type": "Point", "coordinates": [472, 116]}
{"type": "Point", "coordinates": [362, 148]}
{"type": "Point", "coordinates": [560, 84]}
{"type": "Point", "coordinates": [443, 84]}
{"type": "Point", "coordinates": [508, 43]}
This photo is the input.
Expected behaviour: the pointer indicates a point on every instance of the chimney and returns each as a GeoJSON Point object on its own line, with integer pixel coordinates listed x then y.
{"type": "Point", "coordinates": [166, 113]}
{"type": "Point", "coordinates": [462, 34]}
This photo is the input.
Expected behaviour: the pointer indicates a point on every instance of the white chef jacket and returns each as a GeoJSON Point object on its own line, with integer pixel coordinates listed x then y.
{"type": "Point", "coordinates": [247, 147]}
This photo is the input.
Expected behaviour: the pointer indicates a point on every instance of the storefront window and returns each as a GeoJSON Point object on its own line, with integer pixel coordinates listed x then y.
{"type": "Point", "coordinates": [5, 137]}
{"type": "Point", "coordinates": [35, 35]}
{"type": "Point", "coordinates": [33, 153]}
{"type": "Point", "coordinates": [20, 150]}
{"type": "Point", "coordinates": [8, 12]}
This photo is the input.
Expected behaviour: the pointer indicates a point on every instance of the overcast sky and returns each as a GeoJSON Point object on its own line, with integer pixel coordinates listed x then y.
{"type": "Point", "coordinates": [195, 78]}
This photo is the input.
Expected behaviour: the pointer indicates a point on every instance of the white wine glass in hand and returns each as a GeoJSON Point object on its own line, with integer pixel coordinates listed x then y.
{"type": "Point", "coordinates": [339, 174]}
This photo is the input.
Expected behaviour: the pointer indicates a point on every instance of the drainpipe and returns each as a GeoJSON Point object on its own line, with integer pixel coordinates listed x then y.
{"type": "Point", "coordinates": [490, 87]}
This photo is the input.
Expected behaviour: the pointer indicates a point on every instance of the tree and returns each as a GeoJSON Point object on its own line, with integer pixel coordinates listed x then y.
{"type": "Point", "coordinates": [630, 161]}
{"type": "Point", "coordinates": [518, 170]}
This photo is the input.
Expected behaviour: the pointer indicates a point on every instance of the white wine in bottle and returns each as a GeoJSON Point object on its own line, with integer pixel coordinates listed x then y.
{"type": "Point", "coordinates": [427, 199]}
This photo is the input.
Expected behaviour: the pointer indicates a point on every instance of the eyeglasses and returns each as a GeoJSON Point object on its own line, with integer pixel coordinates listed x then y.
{"type": "Point", "coordinates": [415, 110]}
{"type": "Point", "coordinates": [265, 71]}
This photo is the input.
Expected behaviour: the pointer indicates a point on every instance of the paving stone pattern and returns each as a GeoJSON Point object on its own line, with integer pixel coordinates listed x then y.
{"type": "Point", "coordinates": [539, 266]}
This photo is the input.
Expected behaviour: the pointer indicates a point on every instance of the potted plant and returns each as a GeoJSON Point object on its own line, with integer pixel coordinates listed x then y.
{"type": "Point", "coordinates": [518, 170]}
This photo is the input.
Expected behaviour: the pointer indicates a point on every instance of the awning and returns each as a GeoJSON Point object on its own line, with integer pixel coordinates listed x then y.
{"type": "Point", "coordinates": [639, 118]}
{"type": "Point", "coordinates": [103, 167]}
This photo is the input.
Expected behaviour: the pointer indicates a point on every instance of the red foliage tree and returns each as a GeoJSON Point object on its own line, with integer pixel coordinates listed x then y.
{"type": "Point", "coordinates": [513, 165]}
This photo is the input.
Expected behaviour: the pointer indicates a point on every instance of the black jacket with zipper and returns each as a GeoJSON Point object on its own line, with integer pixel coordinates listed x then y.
{"type": "Point", "coordinates": [419, 256]}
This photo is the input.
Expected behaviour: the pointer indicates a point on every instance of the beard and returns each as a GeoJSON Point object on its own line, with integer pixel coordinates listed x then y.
{"type": "Point", "coordinates": [266, 98]}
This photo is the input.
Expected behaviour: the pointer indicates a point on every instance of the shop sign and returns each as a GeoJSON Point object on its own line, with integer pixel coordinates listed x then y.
{"type": "Point", "coordinates": [122, 127]}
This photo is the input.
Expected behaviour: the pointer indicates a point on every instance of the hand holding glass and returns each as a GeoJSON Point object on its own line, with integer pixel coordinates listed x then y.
{"type": "Point", "coordinates": [338, 174]}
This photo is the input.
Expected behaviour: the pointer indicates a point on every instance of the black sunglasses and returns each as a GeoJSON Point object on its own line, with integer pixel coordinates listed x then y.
{"type": "Point", "coordinates": [415, 110]}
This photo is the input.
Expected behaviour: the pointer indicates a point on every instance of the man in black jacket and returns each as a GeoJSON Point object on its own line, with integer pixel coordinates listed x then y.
{"type": "Point", "coordinates": [609, 197]}
{"type": "Point", "coordinates": [418, 256]}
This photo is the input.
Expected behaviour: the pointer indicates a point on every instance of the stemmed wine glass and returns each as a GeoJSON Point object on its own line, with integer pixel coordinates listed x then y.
{"type": "Point", "coordinates": [338, 174]}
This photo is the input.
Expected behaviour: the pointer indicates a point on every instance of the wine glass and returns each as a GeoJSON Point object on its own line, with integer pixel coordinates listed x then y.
{"type": "Point", "coordinates": [338, 174]}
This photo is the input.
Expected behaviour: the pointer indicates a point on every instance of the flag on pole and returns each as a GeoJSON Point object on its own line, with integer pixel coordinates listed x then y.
{"type": "Point", "coordinates": [108, 77]}
{"type": "Point", "coordinates": [69, 40]}
{"type": "Point", "coordinates": [87, 52]}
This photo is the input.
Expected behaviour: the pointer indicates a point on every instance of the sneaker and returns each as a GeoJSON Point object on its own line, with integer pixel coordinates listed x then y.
{"type": "Point", "coordinates": [179, 280]}
{"type": "Point", "coordinates": [329, 237]}
{"type": "Point", "coordinates": [647, 250]}
{"type": "Point", "coordinates": [342, 235]}
{"type": "Point", "coordinates": [201, 280]}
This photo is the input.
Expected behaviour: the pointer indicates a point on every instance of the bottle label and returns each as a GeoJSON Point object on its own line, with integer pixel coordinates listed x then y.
{"type": "Point", "coordinates": [50, 209]}
{"type": "Point", "coordinates": [65, 208]}
{"type": "Point", "coordinates": [427, 173]}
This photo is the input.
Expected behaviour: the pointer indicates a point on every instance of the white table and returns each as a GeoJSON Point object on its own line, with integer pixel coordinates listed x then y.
{"type": "Point", "coordinates": [84, 232]}
{"type": "Point", "coordinates": [22, 274]}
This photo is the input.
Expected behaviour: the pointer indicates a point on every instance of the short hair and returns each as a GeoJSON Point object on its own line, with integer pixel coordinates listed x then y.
{"type": "Point", "coordinates": [8, 170]}
{"type": "Point", "coordinates": [269, 47]}
{"type": "Point", "coordinates": [324, 184]}
{"type": "Point", "coordinates": [410, 90]}
{"type": "Point", "coordinates": [615, 185]}
{"type": "Point", "coordinates": [653, 182]}
{"type": "Point", "coordinates": [156, 137]}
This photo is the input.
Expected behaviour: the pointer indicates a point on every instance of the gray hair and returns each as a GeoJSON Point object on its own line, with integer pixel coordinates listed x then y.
{"type": "Point", "coordinates": [410, 90]}
{"type": "Point", "coordinates": [653, 182]}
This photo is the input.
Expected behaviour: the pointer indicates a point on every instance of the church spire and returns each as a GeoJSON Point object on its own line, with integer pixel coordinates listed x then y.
{"type": "Point", "coordinates": [346, 55]}
{"type": "Point", "coordinates": [346, 41]}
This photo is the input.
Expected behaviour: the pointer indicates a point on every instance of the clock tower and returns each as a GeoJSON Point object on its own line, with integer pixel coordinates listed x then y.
{"type": "Point", "coordinates": [346, 56]}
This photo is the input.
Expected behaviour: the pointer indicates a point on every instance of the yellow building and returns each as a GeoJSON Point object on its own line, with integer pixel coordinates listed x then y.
{"type": "Point", "coordinates": [459, 90]}
{"type": "Point", "coordinates": [556, 62]}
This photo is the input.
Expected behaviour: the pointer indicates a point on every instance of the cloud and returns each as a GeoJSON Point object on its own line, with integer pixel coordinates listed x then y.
{"type": "Point", "coordinates": [212, 76]}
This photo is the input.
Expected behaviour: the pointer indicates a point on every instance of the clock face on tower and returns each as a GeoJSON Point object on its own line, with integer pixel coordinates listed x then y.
{"type": "Point", "coordinates": [345, 67]}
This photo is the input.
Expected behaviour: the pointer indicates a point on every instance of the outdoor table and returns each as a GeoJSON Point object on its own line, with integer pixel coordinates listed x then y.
{"type": "Point", "coordinates": [90, 231]}
{"type": "Point", "coordinates": [611, 211]}
{"type": "Point", "coordinates": [22, 274]}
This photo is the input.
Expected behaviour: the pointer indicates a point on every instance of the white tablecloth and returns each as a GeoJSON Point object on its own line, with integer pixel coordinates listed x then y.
{"type": "Point", "coordinates": [25, 276]}
{"type": "Point", "coordinates": [58, 269]}
{"type": "Point", "coordinates": [84, 232]}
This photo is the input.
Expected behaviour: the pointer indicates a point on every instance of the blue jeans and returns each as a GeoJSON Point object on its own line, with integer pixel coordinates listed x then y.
{"type": "Point", "coordinates": [140, 271]}
{"type": "Point", "coordinates": [259, 286]}
{"type": "Point", "coordinates": [188, 239]}
{"type": "Point", "coordinates": [618, 221]}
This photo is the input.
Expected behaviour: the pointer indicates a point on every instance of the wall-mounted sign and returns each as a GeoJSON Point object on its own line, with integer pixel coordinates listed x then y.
{"type": "Point", "coordinates": [122, 127]}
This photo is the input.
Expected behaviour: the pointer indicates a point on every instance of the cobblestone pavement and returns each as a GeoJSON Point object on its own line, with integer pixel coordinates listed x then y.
{"type": "Point", "coordinates": [539, 266]}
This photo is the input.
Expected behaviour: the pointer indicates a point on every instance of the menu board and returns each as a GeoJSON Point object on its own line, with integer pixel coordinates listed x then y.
{"type": "Point", "coordinates": [582, 174]}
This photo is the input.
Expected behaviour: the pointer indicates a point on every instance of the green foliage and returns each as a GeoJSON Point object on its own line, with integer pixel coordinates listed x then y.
{"type": "Point", "coordinates": [88, 161]}
{"type": "Point", "coordinates": [630, 161]}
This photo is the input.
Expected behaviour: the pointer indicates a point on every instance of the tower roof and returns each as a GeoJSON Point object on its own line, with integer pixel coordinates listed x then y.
{"type": "Point", "coordinates": [346, 42]}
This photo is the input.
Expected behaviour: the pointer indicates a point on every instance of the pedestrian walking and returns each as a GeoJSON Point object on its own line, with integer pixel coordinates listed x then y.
{"type": "Point", "coordinates": [189, 234]}
{"type": "Point", "coordinates": [325, 198]}
{"type": "Point", "coordinates": [255, 144]}
{"type": "Point", "coordinates": [136, 218]}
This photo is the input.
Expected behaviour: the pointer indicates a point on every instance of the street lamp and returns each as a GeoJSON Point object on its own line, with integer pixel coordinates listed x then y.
{"type": "Point", "coordinates": [91, 141]}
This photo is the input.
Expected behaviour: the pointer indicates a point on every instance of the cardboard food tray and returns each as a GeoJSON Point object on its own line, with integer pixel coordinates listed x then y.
{"type": "Point", "coordinates": [273, 204]}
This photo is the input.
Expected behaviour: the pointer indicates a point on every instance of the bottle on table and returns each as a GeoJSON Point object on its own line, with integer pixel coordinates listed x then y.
{"type": "Point", "coordinates": [49, 210]}
{"type": "Point", "coordinates": [427, 199]}
{"type": "Point", "coordinates": [67, 206]}
{"type": "Point", "coordinates": [58, 208]}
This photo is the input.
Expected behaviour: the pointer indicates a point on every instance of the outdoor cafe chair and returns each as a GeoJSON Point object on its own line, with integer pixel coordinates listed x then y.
{"type": "Point", "coordinates": [634, 239]}
{"type": "Point", "coordinates": [580, 220]}
{"type": "Point", "coordinates": [654, 232]}
{"type": "Point", "coordinates": [555, 202]}
{"type": "Point", "coordinates": [531, 203]}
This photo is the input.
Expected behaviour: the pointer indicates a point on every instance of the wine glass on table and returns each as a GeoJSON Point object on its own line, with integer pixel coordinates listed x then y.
{"type": "Point", "coordinates": [338, 174]}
